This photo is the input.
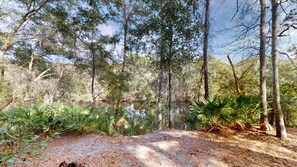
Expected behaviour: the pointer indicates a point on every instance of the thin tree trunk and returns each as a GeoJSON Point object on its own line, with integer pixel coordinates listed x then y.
{"type": "Point", "coordinates": [169, 91]}
{"type": "Point", "coordinates": [205, 50]}
{"type": "Point", "coordinates": [160, 97]}
{"type": "Point", "coordinates": [263, 93]}
{"type": "Point", "coordinates": [170, 76]}
{"type": "Point", "coordinates": [199, 85]}
{"type": "Point", "coordinates": [279, 118]}
{"type": "Point", "coordinates": [237, 86]}
{"type": "Point", "coordinates": [31, 62]}
{"type": "Point", "coordinates": [126, 16]}
{"type": "Point", "coordinates": [93, 77]}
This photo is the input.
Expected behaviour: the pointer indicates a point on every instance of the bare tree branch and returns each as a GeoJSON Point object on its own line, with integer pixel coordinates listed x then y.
{"type": "Point", "coordinates": [288, 56]}
{"type": "Point", "coordinates": [237, 10]}
{"type": "Point", "coordinates": [237, 86]}
{"type": "Point", "coordinates": [42, 74]}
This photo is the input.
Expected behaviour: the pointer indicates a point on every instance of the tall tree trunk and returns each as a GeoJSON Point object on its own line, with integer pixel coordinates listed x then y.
{"type": "Point", "coordinates": [237, 86]}
{"type": "Point", "coordinates": [170, 76]}
{"type": "Point", "coordinates": [160, 97]}
{"type": "Point", "coordinates": [263, 93]}
{"type": "Point", "coordinates": [205, 50]}
{"type": "Point", "coordinates": [93, 76]}
{"type": "Point", "coordinates": [126, 16]}
{"type": "Point", "coordinates": [169, 91]}
{"type": "Point", "coordinates": [279, 119]}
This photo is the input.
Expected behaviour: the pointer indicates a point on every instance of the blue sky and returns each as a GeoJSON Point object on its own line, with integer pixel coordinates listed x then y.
{"type": "Point", "coordinates": [221, 14]}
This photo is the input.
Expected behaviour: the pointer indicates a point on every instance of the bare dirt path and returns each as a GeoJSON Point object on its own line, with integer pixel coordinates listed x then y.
{"type": "Point", "coordinates": [174, 148]}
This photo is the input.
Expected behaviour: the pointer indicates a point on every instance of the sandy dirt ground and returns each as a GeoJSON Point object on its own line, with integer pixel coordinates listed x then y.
{"type": "Point", "coordinates": [173, 148]}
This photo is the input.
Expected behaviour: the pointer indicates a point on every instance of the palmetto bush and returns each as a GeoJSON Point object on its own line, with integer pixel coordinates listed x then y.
{"type": "Point", "coordinates": [207, 113]}
{"type": "Point", "coordinates": [223, 111]}
{"type": "Point", "coordinates": [25, 129]}
{"type": "Point", "coordinates": [39, 119]}
{"type": "Point", "coordinates": [245, 109]}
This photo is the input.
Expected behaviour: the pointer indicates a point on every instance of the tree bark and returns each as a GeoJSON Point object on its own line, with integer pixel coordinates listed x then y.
{"type": "Point", "coordinates": [169, 90]}
{"type": "Point", "coordinates": [93, 76]}
{"type": "Point", "coordinates": [279, 119]}
{"type": "Point", "coordinates": [160, 97]}
{"type": "Point", "coordinates": [170, 75]}
{"type": "Point", "coordinates": [237, 86]}
{"type": "Point", "coordinates": [205, 50]}
{"type": "Point", "coordinates": [126, 18]}
{"type": "Point", "coordinates": [263, 93]}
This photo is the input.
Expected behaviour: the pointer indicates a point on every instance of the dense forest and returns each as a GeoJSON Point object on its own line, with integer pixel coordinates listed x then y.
{"type": "Point", "coordinates": [115, 68]}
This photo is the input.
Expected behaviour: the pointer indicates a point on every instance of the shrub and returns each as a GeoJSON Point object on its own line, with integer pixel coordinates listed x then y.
{"type": "Point", "coordinates": [207, 113]}
{"type": "Point", "coordinates": [224, 111]}
{"type": "Point", "coordinates": [245, 109]}
{"type": "Point", "coordinates": [24, 130]}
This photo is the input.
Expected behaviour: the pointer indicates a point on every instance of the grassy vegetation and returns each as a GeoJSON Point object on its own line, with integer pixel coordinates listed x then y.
{"type": "Point", "coordinates": [24, 130]}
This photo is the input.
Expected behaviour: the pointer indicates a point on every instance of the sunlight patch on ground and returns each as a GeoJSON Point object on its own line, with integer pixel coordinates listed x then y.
{"type": "Point", "coordinates": [167, 145]}
{"type": "Point", "coordinates": [150, 157]}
